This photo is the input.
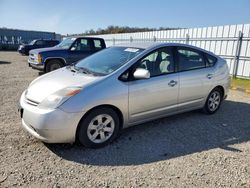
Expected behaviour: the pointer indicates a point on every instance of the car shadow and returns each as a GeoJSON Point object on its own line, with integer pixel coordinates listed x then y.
{"type": "Point", "coordinates": [168, 138]}
{"type": "Point", "coordinates": [40, 73]}
{"type": "Point", "coordinates": [5, 62]}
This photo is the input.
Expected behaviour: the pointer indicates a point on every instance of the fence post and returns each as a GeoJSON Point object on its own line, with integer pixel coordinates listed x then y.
{"type": "Point", "coordinates": [131, 39]}
{"type": "Point", "coordinates": [113, 41]}
{"type": "Point", "coordinates": [187, 38]}
{"type": "Point", "coordinates": [154, 39]}
{"type": "Point", "coordinates": [237, 54]}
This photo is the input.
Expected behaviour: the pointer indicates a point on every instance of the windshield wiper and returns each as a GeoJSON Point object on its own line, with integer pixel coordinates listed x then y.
{"type": "Point", "coordinates": [84, 70]}
{"type": "Point", "coordinates": [72, 68]}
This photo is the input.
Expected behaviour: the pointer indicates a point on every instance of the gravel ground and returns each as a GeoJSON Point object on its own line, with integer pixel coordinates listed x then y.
{"type": "Point", "coordinates": [186, 150]}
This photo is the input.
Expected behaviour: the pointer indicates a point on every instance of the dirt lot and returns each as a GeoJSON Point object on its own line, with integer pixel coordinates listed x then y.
{"type": "Point", "coordinates": [187, 150]}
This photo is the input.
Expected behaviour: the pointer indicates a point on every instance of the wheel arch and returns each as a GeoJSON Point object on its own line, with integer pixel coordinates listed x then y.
{"type": "Point", "coordinates": [62, 60]}
{"type": "Point", "coordinates": [116, 109]}
{"type": "Point", "coordinates": [220, 87]}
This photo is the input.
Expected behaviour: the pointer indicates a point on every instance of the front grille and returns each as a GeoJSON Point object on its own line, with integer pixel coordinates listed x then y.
{"type": "Point", "coordinates": [32, 58]}
{"type": "Point", "coordinates": [31, 102]}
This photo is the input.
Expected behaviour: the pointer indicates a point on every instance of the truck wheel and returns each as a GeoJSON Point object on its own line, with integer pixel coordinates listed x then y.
{"type": "Point", "coordinates": [53, 65]}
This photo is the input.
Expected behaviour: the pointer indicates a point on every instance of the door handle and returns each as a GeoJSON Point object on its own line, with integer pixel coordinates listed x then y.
{"type": "Point", "coordinates": [209, 76]}
{"type": "Point", "coordinates": [172, 83]}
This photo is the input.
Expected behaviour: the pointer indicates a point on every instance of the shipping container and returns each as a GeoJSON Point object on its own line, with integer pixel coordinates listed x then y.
{"type": "Point", "coordinates": [10, 39]}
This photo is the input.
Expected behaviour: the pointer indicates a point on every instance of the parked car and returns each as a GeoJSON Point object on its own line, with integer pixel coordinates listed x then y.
{"type": "Point", "coordinates": [24, 49]}
{"type": "Point", "coordinates": [67, 52]}
{"type": "Point", "coordinates": [122, 86]}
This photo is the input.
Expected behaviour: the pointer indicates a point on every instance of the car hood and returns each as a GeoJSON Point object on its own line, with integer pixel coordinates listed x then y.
{"type": "Point", "coordinates": [40, 50]}
{"type": "Point", "coordinates": [49, 83]}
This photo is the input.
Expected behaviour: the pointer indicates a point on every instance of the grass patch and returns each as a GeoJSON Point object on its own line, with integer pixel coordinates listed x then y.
{"type": "Point", "coordinates": [240, 83]}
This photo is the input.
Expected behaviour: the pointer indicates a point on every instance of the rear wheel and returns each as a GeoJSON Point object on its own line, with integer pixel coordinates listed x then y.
{"type": "Point", "coordinates": [213, 102]}
{"type": "Point", "coordinates": [100, 127]}
{"type": "Point", "coordinates": [53, 65]}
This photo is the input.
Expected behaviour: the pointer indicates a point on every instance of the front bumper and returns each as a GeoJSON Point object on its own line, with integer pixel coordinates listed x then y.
{"type": "Point", "coordinates": [49, 125]}
{"type": "Point", "coordinates": [35, 65]}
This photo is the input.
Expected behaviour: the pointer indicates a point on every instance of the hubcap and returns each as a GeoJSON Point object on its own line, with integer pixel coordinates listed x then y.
{"type": "Point", "coordinates": [214, 101]}
{"type": "Point", "coordinates": [101, 128]}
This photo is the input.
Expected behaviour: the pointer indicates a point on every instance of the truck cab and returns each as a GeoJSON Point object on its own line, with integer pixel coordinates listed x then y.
{"type": "Point", "coordinates": [39, 43]}
{"type": "Point", "coordinates": [70, 50]}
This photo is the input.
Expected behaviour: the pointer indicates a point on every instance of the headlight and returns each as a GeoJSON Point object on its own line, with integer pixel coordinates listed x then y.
{"type": "Point", "coordinates": [58, 98]}
{"type": "Point", "coordinates": [39, 58]}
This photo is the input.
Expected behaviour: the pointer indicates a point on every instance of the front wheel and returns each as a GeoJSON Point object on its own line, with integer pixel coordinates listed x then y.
{"type": "Point", "coordinates": [213, 101]}
{"type": "Point", "coordinates": [53, 65]}
{"type": "Point", "coordinates": [100, 127]}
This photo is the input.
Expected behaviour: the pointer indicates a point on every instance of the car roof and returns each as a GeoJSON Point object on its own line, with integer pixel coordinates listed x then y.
{"type": "Point", "coordinates": [149, 45]}
{"type": "Point", "coordinates": [142, 45]}
{"type": "Point", "coordinates": [45, 39]}
{"type": "Point", "coordinates": [85, 37]}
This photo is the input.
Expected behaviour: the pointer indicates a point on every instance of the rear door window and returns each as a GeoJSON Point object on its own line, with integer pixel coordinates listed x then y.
{"type": "Point", "coordinates": [189, 59]}
{"type": "Point", "coordinates": [97, 44]}
{"type": "Point", "coordinates": [52, 43]}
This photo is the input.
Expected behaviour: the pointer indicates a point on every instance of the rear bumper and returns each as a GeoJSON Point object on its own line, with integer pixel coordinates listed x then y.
{"type": "Point", "coordinates": [22, 51]}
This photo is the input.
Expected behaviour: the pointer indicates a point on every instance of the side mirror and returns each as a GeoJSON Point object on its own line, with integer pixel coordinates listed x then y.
{"type": "Point", "coordinates": [73, 49]}
{"type": "Point", "coordinates": [141, 73]}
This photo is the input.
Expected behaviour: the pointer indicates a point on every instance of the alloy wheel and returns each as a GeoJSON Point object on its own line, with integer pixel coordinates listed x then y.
{"type": "Point", "coordinates": [214, 101]}
{"type": "Point", "coordinates": [101, 128]}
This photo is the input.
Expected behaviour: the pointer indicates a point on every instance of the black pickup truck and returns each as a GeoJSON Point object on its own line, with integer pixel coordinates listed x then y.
{"type": "Point", "coordinates": [69, 51]}
{"type": "Point", "coordinates": [39, 43]}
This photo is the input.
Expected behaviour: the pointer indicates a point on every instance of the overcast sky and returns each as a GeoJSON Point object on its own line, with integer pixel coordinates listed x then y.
{"type": "Point", "coordinates": [76, 16]}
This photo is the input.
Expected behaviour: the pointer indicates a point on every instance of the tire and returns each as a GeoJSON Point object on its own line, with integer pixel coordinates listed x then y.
{"type": "Point", "coordinates": [213, 101]}
{"type": "Point", "coordinates": [53, 65]}
{"type": "Point", "coordinates": [93, 133]}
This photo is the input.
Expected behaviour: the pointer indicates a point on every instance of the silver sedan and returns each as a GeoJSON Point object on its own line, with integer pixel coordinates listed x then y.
{"type": "Point", "coordinates": [91, 101]}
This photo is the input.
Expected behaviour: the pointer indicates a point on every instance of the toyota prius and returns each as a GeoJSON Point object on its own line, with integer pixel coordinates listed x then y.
{"type": "Point", "coordinates": [121, 86]}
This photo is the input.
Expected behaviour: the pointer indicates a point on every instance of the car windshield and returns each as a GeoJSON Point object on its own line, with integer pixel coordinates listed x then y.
{"type": "Point", "coordinates": [32, 42]}
{"type": "Point", "coordinates": [108, 60]}
{"type": "Point", "coordinates": [66, 43]}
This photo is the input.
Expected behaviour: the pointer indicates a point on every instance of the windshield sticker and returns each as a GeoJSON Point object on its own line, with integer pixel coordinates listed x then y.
{"type": "Point", "coordinates": [131, 50]}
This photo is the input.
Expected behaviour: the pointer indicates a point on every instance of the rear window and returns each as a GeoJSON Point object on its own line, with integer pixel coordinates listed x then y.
{"type": "Point", "coordinates": [211, 60]}
{"type": "Point", "coordinates": [97, 44]}
{"type": "Point", "coordinates": [40, 42]}
{"type": "Point", "coordinates": [52, 42]}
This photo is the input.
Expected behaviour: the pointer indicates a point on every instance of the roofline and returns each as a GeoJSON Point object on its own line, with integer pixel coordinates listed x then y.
{"type": "Point", "coordinates": [3, 28]}
{"type": "Point", "coordinates": [77, 37]}
{"type": "Point", "coordinates": [151, 45]}
{"type": "Point", "coordinates": [45, 39]}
